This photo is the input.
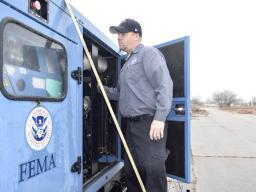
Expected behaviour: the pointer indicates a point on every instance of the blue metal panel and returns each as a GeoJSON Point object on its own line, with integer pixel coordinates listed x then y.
{"type": "Point", "coordinates": [179, 121]}
{"type": "Point", "coordinates": [65, 143]}
{"type": "Point", "coordinates": [59, 21]}
{"type": "Point", "coordinates": [89, 27]}
{"type": "Point", "coordinates": [17, 3]}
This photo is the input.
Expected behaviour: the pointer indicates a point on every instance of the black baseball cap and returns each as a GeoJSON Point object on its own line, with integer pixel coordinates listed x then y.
{"type": "Point", "coordinates": [127, 25]}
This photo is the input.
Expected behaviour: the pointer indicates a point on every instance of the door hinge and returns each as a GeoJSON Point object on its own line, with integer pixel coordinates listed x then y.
{"type": "Point", "coordinates": [76, 167]}
{"type": "Point", "coordinates": [77, 75]}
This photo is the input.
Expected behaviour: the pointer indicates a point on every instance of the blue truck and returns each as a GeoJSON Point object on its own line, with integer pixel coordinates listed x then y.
{"type": "Point", "coordinates": [56, 133]}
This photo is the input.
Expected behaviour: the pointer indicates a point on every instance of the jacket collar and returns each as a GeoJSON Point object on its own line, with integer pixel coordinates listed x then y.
{"type": "Point", "coordinates": [138, 48]}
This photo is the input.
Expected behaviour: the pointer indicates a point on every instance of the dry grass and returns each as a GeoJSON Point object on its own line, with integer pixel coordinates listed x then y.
{"type": "Point", "coordinates": [241, 110]}
{"type": "Point", "coordinates": [198, 111]}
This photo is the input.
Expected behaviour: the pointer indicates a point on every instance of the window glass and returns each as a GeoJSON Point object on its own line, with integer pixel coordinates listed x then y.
{"type": "Point", "coordinates": [33, 66]}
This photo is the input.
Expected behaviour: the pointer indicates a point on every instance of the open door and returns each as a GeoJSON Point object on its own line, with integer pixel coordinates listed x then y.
{"type": "Point", "coordinates": [176, 53]}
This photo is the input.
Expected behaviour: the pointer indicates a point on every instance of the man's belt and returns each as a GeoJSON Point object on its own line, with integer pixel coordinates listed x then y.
{"type": "Point", "coordinates": [139, 117]}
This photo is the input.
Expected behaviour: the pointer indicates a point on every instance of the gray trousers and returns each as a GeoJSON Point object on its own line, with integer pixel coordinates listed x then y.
{"type": "Point", "coordinates": [149, 157]}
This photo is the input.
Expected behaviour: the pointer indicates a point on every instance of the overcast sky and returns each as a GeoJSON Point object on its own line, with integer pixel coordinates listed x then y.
{"type": "Point", "coordinates": [222, 36]}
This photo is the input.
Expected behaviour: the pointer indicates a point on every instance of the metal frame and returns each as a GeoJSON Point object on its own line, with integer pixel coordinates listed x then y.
{"type": "Point", "coordinates": [103, 178]}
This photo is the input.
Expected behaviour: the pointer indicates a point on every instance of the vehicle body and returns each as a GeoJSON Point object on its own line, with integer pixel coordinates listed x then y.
{"type": "Point", "coordinates": [56, 133]}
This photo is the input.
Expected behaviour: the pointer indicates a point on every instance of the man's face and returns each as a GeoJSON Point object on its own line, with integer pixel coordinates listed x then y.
{"type": "Point", "coordinates": [127, 41]}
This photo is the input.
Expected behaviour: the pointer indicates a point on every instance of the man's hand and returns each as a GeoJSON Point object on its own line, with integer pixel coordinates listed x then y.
{"type": "Point", "coordinates": [156, 130]}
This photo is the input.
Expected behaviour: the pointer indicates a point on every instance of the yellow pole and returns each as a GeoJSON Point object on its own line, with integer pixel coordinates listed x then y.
{"type": "Point", "coordinates": [106, 98]}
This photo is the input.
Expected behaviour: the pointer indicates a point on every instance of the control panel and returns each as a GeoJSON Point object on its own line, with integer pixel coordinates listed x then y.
{"type": "Point", "coordinates": [39, 8]}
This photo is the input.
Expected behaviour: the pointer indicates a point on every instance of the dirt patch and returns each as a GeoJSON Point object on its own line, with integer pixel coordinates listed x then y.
{"type": "Point", "coordinates": [241, 110]}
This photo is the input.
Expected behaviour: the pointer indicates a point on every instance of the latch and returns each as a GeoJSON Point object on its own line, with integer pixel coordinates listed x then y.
{"type": "Point", "coordinates": [77, 75]}
{"type": "Point", "coordinates": [180, 109]}
{"type": "Point", "coordinates": [76, 167]}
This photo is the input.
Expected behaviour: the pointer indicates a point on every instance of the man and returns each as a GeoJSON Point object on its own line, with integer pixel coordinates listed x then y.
{"type": "Point", "coordinates": [144, 92]}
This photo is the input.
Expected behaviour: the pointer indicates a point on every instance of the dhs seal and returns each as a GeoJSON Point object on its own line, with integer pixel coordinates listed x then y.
{"type": "Point", "coordinates": [38, 128]}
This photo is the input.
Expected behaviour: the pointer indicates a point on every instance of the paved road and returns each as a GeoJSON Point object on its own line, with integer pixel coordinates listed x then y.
{"type": "Point", "coordinates": [224, 152]}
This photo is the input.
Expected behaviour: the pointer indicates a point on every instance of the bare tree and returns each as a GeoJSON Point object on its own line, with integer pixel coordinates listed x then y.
{"type": "Point", "coordinates": [225, 98]}
{"type": "Point", "coordinates": [253, 101]}
{"type": "Point", "coordinates": [197, 101]}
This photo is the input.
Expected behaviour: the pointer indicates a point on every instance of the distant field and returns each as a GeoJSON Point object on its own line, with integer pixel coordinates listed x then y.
{"type": "Point", "coordinates": [198, 110]}
{"type": "Point", "coordinates": [241, 110]}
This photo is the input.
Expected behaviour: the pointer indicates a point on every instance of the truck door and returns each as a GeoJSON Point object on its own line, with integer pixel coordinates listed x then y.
{"type": "Point", "coordinates": [178, 140]}
{"type": "Point", "coordinates": [41, 107]}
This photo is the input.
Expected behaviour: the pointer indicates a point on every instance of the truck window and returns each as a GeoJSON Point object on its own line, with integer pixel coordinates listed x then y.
{"type": "Point", "coordinates": [33, 66]}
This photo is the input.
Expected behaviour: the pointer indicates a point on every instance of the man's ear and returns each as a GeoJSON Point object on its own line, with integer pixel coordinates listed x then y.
{"type": "Point", "coordinates": [137, 36]}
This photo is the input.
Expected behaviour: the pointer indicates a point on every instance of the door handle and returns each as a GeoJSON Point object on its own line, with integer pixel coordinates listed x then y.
{"type": "Point", "coordinates": [76, 167]}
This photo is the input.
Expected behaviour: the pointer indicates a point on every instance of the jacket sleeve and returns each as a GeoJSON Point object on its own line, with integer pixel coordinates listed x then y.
{"type": "Point", "coordinates": [159, 77]}
{"type": "Point", "coordinates": [112, 92]}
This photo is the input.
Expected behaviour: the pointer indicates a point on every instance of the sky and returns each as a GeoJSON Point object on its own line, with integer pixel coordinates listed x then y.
{"type": "Point", "coordinates": [222, 36]}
